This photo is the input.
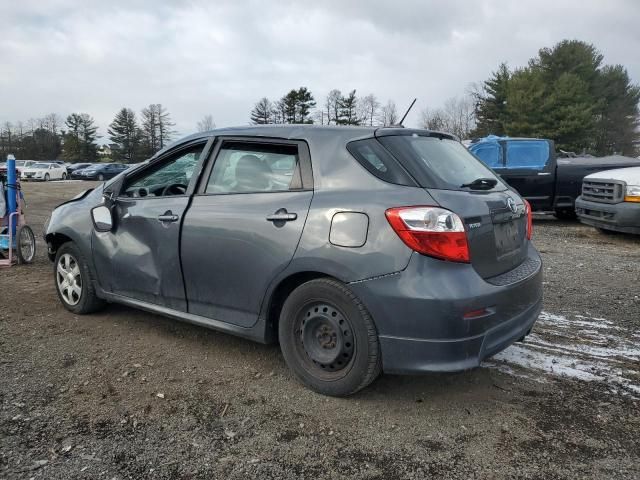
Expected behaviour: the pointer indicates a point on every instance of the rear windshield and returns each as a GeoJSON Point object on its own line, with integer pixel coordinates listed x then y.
{"type": "Point", "coordinates": [438, 162]}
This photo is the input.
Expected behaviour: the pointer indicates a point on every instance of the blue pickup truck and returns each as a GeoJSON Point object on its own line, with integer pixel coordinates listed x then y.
{"type": "Point", "coordinates": [549, 182]}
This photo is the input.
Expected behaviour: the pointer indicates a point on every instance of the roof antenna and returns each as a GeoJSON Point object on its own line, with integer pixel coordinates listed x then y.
{"type": "Point", "coordinates": [407, 112]}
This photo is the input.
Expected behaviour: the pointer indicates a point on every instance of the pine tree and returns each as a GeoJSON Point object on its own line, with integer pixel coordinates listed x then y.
{"type": "Point", "coordinates": [80, 138]}
{"type": "Point", "coordinates": [123, 132]}
{"type": "Point", "coordinates": [348, 110]}
{"type": "Point", "coordinates": [491, 104]}
{"type": "Point", "coordinates": [304, 104]}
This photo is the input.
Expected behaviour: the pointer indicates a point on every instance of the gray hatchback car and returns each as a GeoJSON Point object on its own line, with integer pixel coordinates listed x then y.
{"type": "Point", "coordinates": [360, 250]}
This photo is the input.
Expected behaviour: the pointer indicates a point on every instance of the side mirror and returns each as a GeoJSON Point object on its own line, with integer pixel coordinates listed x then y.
{"type": "Point", "coordinates": [102, 218]}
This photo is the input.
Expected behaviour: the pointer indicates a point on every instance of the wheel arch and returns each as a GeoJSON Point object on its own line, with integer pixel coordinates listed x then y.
{"type": "Point", "coordinates": [272, 306]}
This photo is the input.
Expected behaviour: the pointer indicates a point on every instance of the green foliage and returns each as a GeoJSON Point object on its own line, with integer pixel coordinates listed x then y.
{"type": "Point", "coordinates": [80, 138]}
{"type": "Point", "coordinates": [491, 108]}
{"type": "Point", "coordinates": [348, 108]}
{"type": "Point", "coordinates": [294, 107]}
{"type": "Point", "coordinates": [566, 94]}
{"type": "Point", "coordinates": [125, 137]}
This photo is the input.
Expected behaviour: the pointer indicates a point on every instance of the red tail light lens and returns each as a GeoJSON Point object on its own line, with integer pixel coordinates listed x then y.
{"type": "Point", "coordinates": [527, 207]}
{"type": "Point", "coordinates": [432, 231]}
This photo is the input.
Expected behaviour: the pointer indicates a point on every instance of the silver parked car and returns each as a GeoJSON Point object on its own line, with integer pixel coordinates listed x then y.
{"type": "Point", "coordinates": [360, 250]}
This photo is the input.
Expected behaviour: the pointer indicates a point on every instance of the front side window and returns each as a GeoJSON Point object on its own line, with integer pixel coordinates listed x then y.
{"type": "Point", "coordinates": [170, 177]}
{"type": "Point", "coordinates": [252, 167]}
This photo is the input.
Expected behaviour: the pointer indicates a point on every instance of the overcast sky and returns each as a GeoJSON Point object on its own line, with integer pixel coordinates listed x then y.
{"type": "Point", "coordinates": [219, 57]}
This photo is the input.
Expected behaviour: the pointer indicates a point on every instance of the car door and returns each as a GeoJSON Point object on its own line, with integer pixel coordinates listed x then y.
{"type": "Point", "coordinates": [243, 225]}
{"type": "Point", "coordinates": [139, 259]}
{"type": "Point", "coordinates": [529, 167]}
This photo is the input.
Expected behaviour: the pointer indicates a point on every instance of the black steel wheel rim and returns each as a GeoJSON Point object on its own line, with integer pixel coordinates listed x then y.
{"type": "Point", "coordinates": [325, 340]}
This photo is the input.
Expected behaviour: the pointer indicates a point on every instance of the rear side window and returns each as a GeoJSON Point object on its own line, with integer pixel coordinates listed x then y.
{"type": "Point", "coordinates": [377, 160]}
{"type": "Point", "coordinates": [532, 154]}
{"type": "Point", "coordinates": [489, 153]}
{"type": "Point", "coordinates": [437, 162]}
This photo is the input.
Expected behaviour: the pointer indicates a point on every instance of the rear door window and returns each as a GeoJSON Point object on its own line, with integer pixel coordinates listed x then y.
{"type": "Point", "coordinates": [532, 154]}
{"type": "Point", "coordinates": [253, 167]}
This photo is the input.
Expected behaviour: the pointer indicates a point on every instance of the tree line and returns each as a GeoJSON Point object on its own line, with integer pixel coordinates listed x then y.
{"type": "Point", "coordinates": [75, 139]}
{"type": "Point", "coordinates": [565, 93]}
{"type": "Point", "coordinates": [299, 106]}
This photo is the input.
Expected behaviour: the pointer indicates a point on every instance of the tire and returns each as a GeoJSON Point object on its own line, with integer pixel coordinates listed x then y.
{"type": "Point", "coordinates": [565, 214]}
{"type": "Point", "coordinates": [46, 177]}
{"type": "Point", "coordinates": [328, 338]}
{"type": "Point", "coordinates": [25, 244]}
{"type": "Point", "coordinates": [64, 176]}
{"type": "Point", "coordinates": [101, 178]}
{"type": "Point", "coordinates": [74, 264]}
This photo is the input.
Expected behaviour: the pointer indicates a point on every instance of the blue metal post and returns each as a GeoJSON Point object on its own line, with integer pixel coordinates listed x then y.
{"type": "Point", "coordinates": [12, 189]}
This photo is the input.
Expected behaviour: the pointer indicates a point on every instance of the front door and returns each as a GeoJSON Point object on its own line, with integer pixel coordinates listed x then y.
{"type": "Point", "coordinates": [529, 167]}
{"type": "Point", "coordinates": [140, 258]}
{"type": "Point", "coordinates": [243, 226]}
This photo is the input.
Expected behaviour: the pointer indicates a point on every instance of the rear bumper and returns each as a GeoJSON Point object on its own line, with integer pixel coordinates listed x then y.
{"type": "Point", "coordinates": [419, 314]}
{"type": "Point", "coordinates": [620, 217]}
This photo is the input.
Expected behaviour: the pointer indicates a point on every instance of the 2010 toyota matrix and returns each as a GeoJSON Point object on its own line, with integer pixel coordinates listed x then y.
{"type": "Point", "coordinates": [359, 250]}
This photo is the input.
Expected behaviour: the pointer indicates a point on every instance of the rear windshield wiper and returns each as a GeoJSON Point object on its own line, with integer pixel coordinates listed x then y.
{"type": "Point", "coordinates": [481, 184]}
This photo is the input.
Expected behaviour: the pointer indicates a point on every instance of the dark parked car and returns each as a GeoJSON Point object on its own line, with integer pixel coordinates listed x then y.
{"type": "Point", "coordinates": [531, 166]}
{"type": "Point", "coordinates": [100, 171]}
{"type": "Point", "coordinates": [358, 249]}
{"type": "Point", "coordinates": [76, 167]}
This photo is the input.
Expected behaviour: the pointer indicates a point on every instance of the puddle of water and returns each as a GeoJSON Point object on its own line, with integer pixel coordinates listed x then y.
{"type": "Point", "coordinates": [582, 348]}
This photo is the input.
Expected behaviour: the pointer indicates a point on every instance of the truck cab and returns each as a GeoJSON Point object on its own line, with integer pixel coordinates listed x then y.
{"type": "Point", "coordinates": [531, 166]}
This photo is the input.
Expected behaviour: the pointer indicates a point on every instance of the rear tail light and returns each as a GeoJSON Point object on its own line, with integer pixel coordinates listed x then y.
{"type": "Point", "coordinates": [527, 209]}
{"type": "Point", "coordinates": [432, 231]}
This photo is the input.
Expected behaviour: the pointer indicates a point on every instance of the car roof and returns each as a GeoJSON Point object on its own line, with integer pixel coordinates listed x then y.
{"type": "Point", "coordinates": [302, 132]}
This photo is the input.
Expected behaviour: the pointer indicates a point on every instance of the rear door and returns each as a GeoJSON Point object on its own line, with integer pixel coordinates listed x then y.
{"type": "Point", "coordinates": [140, 259]}
{"type": "Point", "coordinates": [529, 167]}
{"type": "Point", "coordinates": [243, 225]}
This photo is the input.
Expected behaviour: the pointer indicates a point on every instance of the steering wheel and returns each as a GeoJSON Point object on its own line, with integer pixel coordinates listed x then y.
{"type": "Point", "coordinates": [174, 189]}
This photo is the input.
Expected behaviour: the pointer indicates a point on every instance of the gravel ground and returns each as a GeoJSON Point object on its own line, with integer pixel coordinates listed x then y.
{"type": "Point", "coordinates": [127, 394]}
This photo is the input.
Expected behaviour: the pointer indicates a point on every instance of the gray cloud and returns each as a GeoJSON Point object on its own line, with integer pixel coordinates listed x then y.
{"type": "Point", "coordinates": [219, 57]}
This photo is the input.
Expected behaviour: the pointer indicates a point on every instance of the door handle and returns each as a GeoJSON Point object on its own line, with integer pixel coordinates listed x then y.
{"type": "Point", "coordinates": [168, 217]}
{"type": "Point", "coordinates": [282, 216]}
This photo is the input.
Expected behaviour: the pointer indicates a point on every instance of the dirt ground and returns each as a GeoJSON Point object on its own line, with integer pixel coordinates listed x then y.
{"type": "Point", "coordinates": [126, 394]}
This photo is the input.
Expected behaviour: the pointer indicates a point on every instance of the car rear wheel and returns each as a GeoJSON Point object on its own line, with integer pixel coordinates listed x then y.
{"type": "Point", "coordinates": [46, 177]}
{"type": "Point", "coordinates": [328, 338]}
{"type": "Point", "coordinates": [74, 281]}
{"type": "Point", "coordinates": [64, 176]}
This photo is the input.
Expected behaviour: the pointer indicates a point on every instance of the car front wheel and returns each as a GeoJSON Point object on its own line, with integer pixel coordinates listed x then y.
{"type": "Point", "coordinates": [328, 338]}
{"type": "Point", "coordinates": [101, 177]}
{"type": "Point", "coordinates": [46, 177]}
{"type": "Point", "coordinates": [74, 282]}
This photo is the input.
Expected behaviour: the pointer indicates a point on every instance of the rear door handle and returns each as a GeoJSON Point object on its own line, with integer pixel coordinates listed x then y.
{"type": "Point", "coordinates": [282, 216]}
{"type": "Point", "coordinates": [168, 217]}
